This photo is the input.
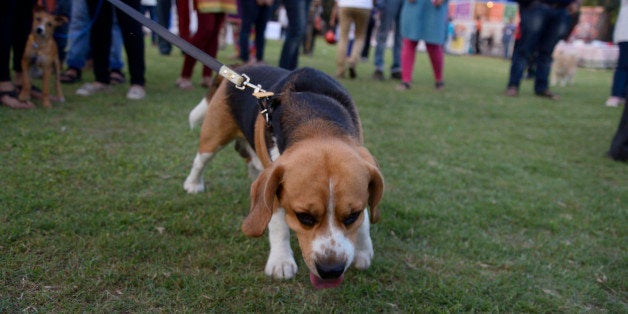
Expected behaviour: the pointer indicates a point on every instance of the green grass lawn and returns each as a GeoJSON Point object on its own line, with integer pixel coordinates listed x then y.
{"type": "Point", "coordinates": [492, 204]}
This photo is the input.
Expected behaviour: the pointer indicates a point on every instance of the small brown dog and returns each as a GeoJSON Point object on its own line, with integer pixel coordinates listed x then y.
{"type": "Point", "coordinates": [41, 51]}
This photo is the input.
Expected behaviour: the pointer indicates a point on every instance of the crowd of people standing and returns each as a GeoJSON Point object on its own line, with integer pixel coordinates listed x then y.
{"type": "Point", "coordinates": [542, 24]}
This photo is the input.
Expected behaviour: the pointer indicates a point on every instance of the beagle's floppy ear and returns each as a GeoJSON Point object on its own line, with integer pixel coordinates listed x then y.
{"type": "Point", "coordinates": [376, 185]}
{"type": "Point", "coordinates": [263, 200]}
{"type": "Point", "coordinates": [376, 192]}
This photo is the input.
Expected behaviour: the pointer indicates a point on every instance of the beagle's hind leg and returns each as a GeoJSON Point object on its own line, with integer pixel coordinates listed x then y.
{"type": "Point", "coordinates": [218, 130]}
{"type": "Point", "coordinates": [247, 152]}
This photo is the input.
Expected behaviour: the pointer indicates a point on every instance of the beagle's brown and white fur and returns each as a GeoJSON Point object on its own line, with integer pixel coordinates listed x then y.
{"type": "Point", "coordinates": [322, 183]}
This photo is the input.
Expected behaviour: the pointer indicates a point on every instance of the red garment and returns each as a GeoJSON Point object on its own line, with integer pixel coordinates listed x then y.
{"type": "Point", "coordinates": [408, 56]}
{"type": "Point", "coordinates": [206, 39]}
{"type": "Point", "coordinates": [183, 12]}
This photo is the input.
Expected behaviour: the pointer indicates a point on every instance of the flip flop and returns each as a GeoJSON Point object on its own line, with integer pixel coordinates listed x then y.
{"type": "Point", "coordinates": [116, 77]}
{"type": "Point", "coordinates": [70, 76]}
{"type": "Point", "coordinates": [19, 105]}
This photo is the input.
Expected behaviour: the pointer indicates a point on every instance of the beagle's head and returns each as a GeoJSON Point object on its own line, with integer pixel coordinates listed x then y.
{"type": "Point", "coordinates": [325, 187]}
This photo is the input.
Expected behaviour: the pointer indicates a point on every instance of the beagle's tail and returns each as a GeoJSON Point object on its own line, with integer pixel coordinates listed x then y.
{"type": "Point", "coordinates": [198, 113]}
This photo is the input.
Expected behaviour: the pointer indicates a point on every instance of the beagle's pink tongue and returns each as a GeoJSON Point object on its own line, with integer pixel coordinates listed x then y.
{"type": "Point", "coordinates": [319, 283]}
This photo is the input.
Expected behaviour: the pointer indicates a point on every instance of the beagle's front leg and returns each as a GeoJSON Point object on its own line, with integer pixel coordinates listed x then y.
{"type": "Point", "coordinates": [364, 246]}
{"type": "Point", "coordinates": [281, 263]}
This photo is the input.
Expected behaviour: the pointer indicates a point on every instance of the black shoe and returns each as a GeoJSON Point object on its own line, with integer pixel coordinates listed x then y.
{"type": "Point", "coordinates": [395, 75]}
{"type": "Point", "coordinates": [548, 94]}
{"type": "Point", "coordinates": [403, 86]}
{"type": "Point", "coordinates": [378, 75]}
{"type": "Point", "coordinates": [352, 73]}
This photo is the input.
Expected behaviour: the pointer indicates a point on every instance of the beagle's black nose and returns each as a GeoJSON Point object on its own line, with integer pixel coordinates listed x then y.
{"type": "Point", "coordinates": [330, 271]}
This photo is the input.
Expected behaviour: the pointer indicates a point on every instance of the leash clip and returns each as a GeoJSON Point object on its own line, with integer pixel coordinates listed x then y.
{"type": "Point", "coordinates": [265, 109]}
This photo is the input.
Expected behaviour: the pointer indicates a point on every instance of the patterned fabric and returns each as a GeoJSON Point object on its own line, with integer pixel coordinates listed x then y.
{"type": "Point", "coordinates": [216, 6]}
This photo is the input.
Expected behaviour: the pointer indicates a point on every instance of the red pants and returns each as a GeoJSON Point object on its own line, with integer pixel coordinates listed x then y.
{"type": "Point", "coordinates": [408, 55]}
{"type": "Point", "coordinates": [206, 39]}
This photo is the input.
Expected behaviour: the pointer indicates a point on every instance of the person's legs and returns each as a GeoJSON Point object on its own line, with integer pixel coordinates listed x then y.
{"type": "Point", "coordinates": [385, 24]}
{"type": "Point", "coordinates": [22, 24]}
{"type": "Point", "coordinates": [133, 44]}
{"type": "Point", "coordinates": [297, 11]}
{"type": "Point", "coordinates": [79, 36]}
{"type": "Point", "coordinates": [211, 43]}
{"type": "Point", "coordinates": [620, 77]}
{"type": "Point", "coordinates": [183, 14]}
{"type": "Point", "coordinates": [619, 144]}
{"type": "Point", "coordinates": [102, 16]}
{"type": "Point", "coordinates": [163, 17]}
{"type": "Point", "coordinates": [408, 55]}
{"type": "Point", "coordinates": [360, 18]}
{"type": "Point", "coordinates": [263, 15]}
{"type": "Point", "coordinates": [395, 67]}
{"type": "Point", "coordinates": [435, 53]}
{"type": "Point", "coordinates": [115, 55]}
{"type": "Point", "coordinates": [555, 27]}
{"type": "Point", "coordinates": [249, 11]}
{"type": "Point", "coordinates": [531, 30]}
{"type": "Point", "coordinates": [64, 8]}
{"type": "Point", "coordinates": [7, 9]}
{"type": "Point", "coordinates": [344, 21]}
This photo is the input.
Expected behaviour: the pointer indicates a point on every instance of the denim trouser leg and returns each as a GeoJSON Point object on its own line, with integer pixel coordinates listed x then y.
{"type": "Point", "coordinates": [541, 28]}
{"type": "Point", "coordinates": [115, 55]}
{"type": "Point", "coordinates": [390, 17]}
{"type": "Point", "coordinates": [297, 11]}
{"type": "Point", "coordinates": [620, 77]}
{"type": "Point", "coordinates": [63, 7]}
{"type": "Point", "coordinates": [248, 14]}
{"type": "Point", "coordinates": [78, 35]}
{"type": "Point", "coordinates": [163, 16]}
{"type": "Point", "coordinates": [555, 29]}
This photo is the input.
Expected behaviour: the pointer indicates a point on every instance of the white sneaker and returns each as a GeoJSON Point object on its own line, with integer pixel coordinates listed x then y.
{"type": "Point", "coordinates": [89, 89]}
{"type": "Point", "coordinates": [614, 101]}
{"type": "Point", "coordinates": [136, 92]}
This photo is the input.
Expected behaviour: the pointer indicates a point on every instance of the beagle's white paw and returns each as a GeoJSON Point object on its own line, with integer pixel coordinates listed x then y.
{"type": "Point", "coordinates": [281, 266]}
{"type": "Point", "coordinates": [363, 259]}
{"type": "Point", "coordinates": [193, 187]}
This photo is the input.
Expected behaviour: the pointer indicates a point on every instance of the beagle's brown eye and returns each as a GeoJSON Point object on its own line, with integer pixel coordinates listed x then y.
{"type": "Point", "coordinates": [351, 218]}
{"type": "Point", "coordinates": [306, 219]}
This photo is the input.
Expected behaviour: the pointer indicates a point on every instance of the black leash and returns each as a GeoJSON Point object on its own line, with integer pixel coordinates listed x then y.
{"type": "Point", "coordinates": [241, 81]}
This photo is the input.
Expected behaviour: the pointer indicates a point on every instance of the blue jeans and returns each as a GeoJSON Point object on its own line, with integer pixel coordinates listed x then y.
{"type": "Point", "coordinates": [163, 16]}
{"type": "Point", "coordinates": [620, 78]}
{"type": "Point", "coordinates": [80, 24]}
{"type": "Point", "coordinates": [63, 7]}
{"type": "Point", "coordinates": [253, 14]}
{"type": "Point", "coordinates": [297, 11]}
{"type": "Point", "coordinates": [542, 26]}
{"type": "Point", "coordinates": [390, 16]}
{"type": "Point", "coordinates": [152, 12]}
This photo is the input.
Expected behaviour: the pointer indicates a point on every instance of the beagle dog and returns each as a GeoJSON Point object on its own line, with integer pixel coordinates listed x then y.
{"type": "Point", "coordinates": [41, 51]}
{"type": "Point", "coordinates": [319, 180]}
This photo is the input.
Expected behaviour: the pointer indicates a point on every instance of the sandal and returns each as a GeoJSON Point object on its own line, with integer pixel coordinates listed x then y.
{"type": "Point", "coordinates": [207, 82]}
{"type": "Point", "coordinates": [184, 84]}
{"type": "Point", "coordinates": [403, 86]}
{"type": "Point", "coordinates": [70, 76]}
{"type": "Point", "coordinates": [116, 77]}
{"type": "Point", "coordinates": [10, 99]}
